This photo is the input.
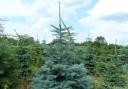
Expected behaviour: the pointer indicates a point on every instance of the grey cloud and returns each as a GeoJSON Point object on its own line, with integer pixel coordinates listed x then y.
{"type": "Point", "coordinates": [119, 17]}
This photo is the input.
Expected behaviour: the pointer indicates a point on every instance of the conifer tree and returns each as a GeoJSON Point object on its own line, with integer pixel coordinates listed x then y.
{"type": "Point", "coordinates": [60, 70]}
{"type": "Point", "coordinates": [37, 53]}
{"type": "Point", "coordinates": [5, 65]}
{"type": "Point", "coordinates": [23, 60]}
{"type": "Point", "coordinates": [89, 60]}
{"type": "Point", "coordinates": [5, 61]}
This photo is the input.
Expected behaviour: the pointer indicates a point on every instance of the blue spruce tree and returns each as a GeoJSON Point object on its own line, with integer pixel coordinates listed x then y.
{"type": "Point", "coordinates": [60, 70]}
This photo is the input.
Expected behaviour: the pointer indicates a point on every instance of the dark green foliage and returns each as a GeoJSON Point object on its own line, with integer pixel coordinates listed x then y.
{"type": "Point", "coordinates": [24, 61]}
{"type": "Point", "coordinates": [28, 59]}
{"type": "Point", "coordinates": [86, 55]}
{"type": "Point", "coordinates": [113, 76]}
{"type": "Point", "coordinates": [112, 73]}
{"type": "Point", "coordinates": [89, 59]}
{"type": "Point", "coordinates": [110, 70]}
{"type": "Point", "coordinates": [38, 56]}
{"type": "Point", "coordinates": [123, 55]}
{"type": "Point", "coordinates": [6, 64]}
{"type": "Point", "coordinates": [16, 61]}
{"type": "Point", "coordinates": [100, 40]}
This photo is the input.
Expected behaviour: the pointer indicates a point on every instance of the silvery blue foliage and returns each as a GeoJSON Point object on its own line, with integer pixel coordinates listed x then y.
{"type": "Point", "coordinates": [60, 70]}
{"type": "Point", "coordinates": [60, 76]}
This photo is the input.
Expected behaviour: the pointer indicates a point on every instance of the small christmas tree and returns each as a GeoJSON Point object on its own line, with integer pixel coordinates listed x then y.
{"type": "Point", "coordinates": [23, 59]}
{"type": "Point", "coordinates": [60, 70]}
{"type": "Point", "coordinates": [89, 59]}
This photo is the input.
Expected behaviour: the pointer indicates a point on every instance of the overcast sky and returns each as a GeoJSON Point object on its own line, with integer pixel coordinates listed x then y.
{"type": "Point", "coordinates": [108, 18]}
